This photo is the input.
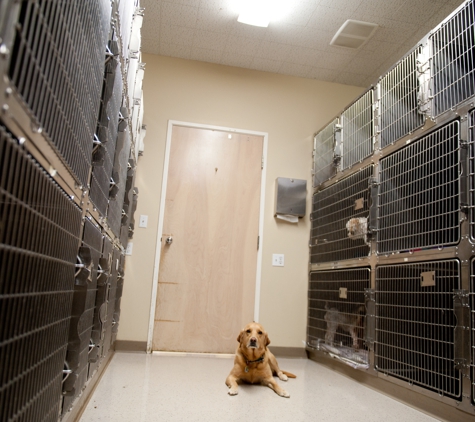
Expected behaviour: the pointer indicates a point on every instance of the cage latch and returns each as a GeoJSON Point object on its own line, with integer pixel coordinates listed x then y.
{"type": "Point", "coordinates": [462, 331]}
{"type": "Point", "coordinates": [370, 320]}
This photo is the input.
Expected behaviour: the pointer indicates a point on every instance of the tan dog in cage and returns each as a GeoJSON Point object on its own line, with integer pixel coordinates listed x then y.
{"type": "Point", "coordinates": [254, 363]}
{"type": "Point", "coordinates": [349, 322]}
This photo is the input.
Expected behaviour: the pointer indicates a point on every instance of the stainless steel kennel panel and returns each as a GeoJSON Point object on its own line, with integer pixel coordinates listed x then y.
{"type": "Point", "coordinates": [399, 95]}
{"type": "Point", "coordinates": [39, 239]}
{"type": "Point", "coordinates": [336, 312]}
{"type": "Point", "coordinates": [357, 128]}
{"type": "Point", "coordinates": [56, 67]}
{"type": "Point", "coordinates": [84, 299]}
{"type": "Point", "coordinates": [415, 323]}
{"type": "Point", "coordinates": [471, 139]}
{"type": "Point", "coordinates": [418, 201]}
{"type": "Point", "coordinates": [453, 62]}
{"type": "Point", "coordinates": [339, 217]}
{"type": "Point", "coordinates": [325, 159]}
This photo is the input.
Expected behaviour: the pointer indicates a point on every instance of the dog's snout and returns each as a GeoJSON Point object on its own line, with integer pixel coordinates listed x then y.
{"type": "Point", "coordinates": [253, 339]}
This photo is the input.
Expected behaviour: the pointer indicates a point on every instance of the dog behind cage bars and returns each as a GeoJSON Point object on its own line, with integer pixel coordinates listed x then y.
{"type": "Point", "coordinates": [352, 323]}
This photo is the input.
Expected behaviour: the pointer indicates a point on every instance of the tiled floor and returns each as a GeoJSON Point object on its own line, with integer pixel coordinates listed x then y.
{"type": "Point", "coordinates": [138, 387]}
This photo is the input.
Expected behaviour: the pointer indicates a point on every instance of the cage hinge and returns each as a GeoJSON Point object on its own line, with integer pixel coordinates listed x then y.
{"type": "Point", "coordinates": [370, 319]}
{"type": "Point", "coordinates": [462, 331]}
{"type": "Point", "coordinates": [465, 208]}
{"type": "Point", "coordinates": [336, 159]}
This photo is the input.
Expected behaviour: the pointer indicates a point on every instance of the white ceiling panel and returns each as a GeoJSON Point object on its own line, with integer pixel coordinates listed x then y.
{"type": "Point", "coordinates": [297, 44]}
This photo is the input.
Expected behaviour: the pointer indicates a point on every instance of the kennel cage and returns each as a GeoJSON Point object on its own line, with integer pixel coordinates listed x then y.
{"type": "Point", "coordinates": [340, 219]}
{"type": "Point", "coordinates": [400, 92]}
{"type": "Point", "coordinates": [325, 158]}
{"type": "Point", "coordinates": [56, 67]}
{"type": "Point", "coordinates": [336, 312]}
{"type": "Point", "coordinates": [471, 143]}
{"type": "Point", "coordinates": [415, 324]}
{"type": "Point", "coordinates": [80, 331]}
{"type": "Point", "coordinates": [419, 194]}
{"type": "Point", "coordinates": [453, 70]}
{"type": "Point", "coordinates": [357, 130]}
{"type": "Point", "coordinates": [37, 278]}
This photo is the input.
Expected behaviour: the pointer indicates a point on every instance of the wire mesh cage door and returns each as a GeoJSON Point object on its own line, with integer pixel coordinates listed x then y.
{"type": "Point", "coordinates": [399, 102]}
{"type": "Point", "coordinates": [340, 219]}
{"type": "Point", "coordinates": [419, 201]}
{"type": "Point", "coordinates": [324, 160]}
{"type": "Point", "coordinates": [415, 324]}
{"type": "Point", "coordinates": [37, 276]}
{"type": "Point", "coordinates": [357, 128]}
{"type": "Point", "coordinates": [453, 70]}
{"type": "Point", "coordinates": [336, 312]}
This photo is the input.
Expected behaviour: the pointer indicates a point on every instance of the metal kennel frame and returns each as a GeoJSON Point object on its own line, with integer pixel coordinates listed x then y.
{"type": "Point", "coordinates": [336, 312]}
{"type": "Point", "coordinates": [325, 158]}
{"type": "Point", "coordinates": [64, 92]}
{"type": "Point", "coordinates": [415, 324]}
{"type": "Point", "coordinates": [357, 127]}
{"type": "Point", "coordinates": [453, 63]}
{"type": "Point", "coordinates": [420, 221]}
{"type": "Point", "coordinates": [37, 273]}
{"type": "Point", "coordinates": [419, 195]}
{"type": "Point", "coordinates": [399, 92]}
{"type": "Point", "coordinates": [333, 207]}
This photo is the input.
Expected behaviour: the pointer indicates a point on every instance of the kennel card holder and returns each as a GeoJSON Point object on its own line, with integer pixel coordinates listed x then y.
{"type": "Point", "coordinates": [290, 199]}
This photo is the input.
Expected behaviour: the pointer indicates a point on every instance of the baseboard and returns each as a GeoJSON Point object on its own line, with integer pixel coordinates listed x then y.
{"type": "Point", "coordinates": [130, 346]}
{"type": "Point", "coordinates": [289, 352]}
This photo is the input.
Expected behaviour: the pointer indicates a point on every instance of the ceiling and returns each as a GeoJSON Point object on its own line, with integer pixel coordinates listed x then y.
{"type": "Point", "coordinates": [298, 45]}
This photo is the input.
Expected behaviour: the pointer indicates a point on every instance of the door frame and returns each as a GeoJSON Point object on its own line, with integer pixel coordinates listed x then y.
{"type": "Point", "coordinates": [158, 248]}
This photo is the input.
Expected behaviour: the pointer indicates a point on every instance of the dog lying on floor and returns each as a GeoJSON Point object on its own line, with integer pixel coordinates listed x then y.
{"type": "Point", "coordinates": [254, 363]}
{"type": "Point", "coordinates": [350, 323]}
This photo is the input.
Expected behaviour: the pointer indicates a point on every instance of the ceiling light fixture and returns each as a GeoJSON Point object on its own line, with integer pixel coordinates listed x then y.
{"type": "Point", "coordinates": [353, 34]}
{"type": "Point", "coordinates": [261, 12]}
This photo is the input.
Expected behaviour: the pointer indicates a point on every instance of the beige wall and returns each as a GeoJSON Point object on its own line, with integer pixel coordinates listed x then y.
{"type": "Point", "coordinates": [290, 110]}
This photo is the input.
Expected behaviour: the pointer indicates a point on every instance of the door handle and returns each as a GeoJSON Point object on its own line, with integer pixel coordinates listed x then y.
{"type": "Point", "coordinates": [169, 240]}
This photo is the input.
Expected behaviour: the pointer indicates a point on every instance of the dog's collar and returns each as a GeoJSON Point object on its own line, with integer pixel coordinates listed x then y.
{"type": "Point", "coordinates": [255, 361]}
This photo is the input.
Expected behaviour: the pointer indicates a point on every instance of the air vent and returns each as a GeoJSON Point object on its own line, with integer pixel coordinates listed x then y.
{"type": "Point", "coordinates": [353, 34]}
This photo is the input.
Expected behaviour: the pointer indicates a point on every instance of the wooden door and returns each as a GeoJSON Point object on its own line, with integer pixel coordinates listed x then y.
{"type": "Point", "coordinates": [207, 274]}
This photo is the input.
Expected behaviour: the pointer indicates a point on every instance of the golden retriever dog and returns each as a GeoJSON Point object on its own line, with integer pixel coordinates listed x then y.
{"type": "Point", "coordinates": [254, 363]}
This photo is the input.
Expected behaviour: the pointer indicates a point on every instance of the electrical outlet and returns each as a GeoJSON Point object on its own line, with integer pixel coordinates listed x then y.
{"type": "Point", "coordinates": [130, 246]}
{"type": "Point", "coordinates": [143, 221]}
{"type": "Point", "coordinates": [278, 260]}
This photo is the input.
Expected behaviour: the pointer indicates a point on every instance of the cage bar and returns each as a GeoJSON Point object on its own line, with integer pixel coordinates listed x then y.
{"type": "Point", "coordinates": [419, 200]}
{"type": "Point", "coordinates": [39, 243]}
{"type": "Point", "coordinates": [415, 325]}
{"type": "Point", "coordinates": [340, 218]}
{"type": "Point", "coordinates": [453, 63]}
{"type": "Point", "coordinates": [336, 310]}
{"type": "Point", "coordinates": [399, 109]}
{"type": "Point", "coordinates": [56, 68]}
{"type": "Point", "coordinates": [324, 166]}
{"type": "Point", "coordinates": [357, 130]}
{"type": "Point", "coordinates": [471, 139]}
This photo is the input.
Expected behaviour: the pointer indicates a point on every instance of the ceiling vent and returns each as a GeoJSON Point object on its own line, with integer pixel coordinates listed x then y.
{"type": "Point", "coordinates": [353, 34]}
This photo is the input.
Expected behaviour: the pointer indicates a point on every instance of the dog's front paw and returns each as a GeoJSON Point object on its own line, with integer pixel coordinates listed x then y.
{"type": "Point", "coordinates": [232, 392]}
{"type": "Point", "coordinates": [283, 377]}
{"type": "Point", "coordinates": [284, 394]}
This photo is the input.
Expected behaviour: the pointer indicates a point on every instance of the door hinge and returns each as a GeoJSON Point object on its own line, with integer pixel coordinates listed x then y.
{"type": "Point", "coordinates": [262, 163]}
{"type": "Point", "coordinates": [258, 239]}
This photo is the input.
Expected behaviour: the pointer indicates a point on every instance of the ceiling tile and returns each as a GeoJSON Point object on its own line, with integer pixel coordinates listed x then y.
{"type": "Point", "coordinates": [303, 56]}
{"type": "Point", "coordinates": [217, 19]}
{"type": "Point", "coordinates": [209, 40]}
{"type": "Point", "coordinates": [151, 46]}
{"type": "Point", "coordinates": [177, 35]}
{"type": "Point", "coordinates": [206, 55]}
{"type": "Point", "coordinates": [179, 14]}
{"type": "Point", "coordinates": [349, 78]}
{"type": "Point", "coordinates": [236, 60]}
{"type": "Point", "coordinates": [273, 51]}
{"type": "Point", "coordinates": [346, 5]}
{"type": "Point", "coordinates": [300, 14]}
{"type": "Point", "coordinates": [242, 45]}
{"type": "Point", "coordinates": [174, 50]}
{"type": "Point", "coordinates": [322, 74]}
{"type": "Point", "coordinates": [294, 69]}
{"type": "Point", "coordinates": [327, 19]}
{"type": "Point", "coordinates": [266, 65]}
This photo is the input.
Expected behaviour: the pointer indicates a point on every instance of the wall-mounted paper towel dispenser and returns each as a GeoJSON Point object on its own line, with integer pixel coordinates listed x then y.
{"type": "Point", "coordinates": [290, 198]}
